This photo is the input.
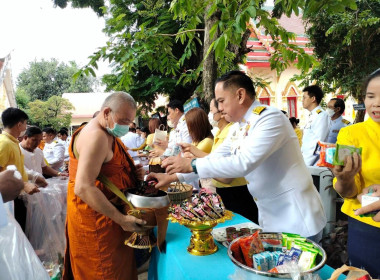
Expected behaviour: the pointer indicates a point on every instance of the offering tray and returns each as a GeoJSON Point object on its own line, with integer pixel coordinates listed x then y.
{"type": "Point", "coordinates": [201, 241]}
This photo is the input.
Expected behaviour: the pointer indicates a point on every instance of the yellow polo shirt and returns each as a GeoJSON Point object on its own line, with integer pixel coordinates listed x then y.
{"type": "Point", "coordinates": [10, 154]}
{"type": "Point", "coordinates": [365, 135]}
{"type": "Point", "coordinates": [219, 137]}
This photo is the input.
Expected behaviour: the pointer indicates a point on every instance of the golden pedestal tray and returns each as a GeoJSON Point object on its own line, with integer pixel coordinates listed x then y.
{"type": "Point", "coordinates": [201, 241]}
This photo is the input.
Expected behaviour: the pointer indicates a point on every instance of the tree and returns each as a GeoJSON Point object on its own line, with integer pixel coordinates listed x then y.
{"type": "Point", "coordinates": [347, 45]}
{"type": "Point", "coordinates": [143, 42]}
{"type": "Point", "coordinates": [43, 79]}
{"type": "Point", "coordinates": [55, 112]}
{"type": "Point", "coordinates": [96, 5]}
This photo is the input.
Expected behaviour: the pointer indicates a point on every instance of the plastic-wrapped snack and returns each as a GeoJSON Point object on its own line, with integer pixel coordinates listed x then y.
{"type": "Point", "coordinates": [271, 241]}
{"type": "Point", "coordinates": [237, 253]}
{"type": "Point", "coordinates": [323, 154]}
{"type": "Point", "coordinates": [256, 244]}
{"type": "Point", "coordinates": [245, 246]}
{"type": "Point", "coordinates": [342, 151]}
{"type": "Point", "coordinates": [307, 260]}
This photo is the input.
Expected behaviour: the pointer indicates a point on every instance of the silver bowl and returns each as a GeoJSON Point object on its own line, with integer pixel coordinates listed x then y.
{"type": "Point", "coordinates": [159, 201]}
{"type": "Point", "coordinates": [321, 262]}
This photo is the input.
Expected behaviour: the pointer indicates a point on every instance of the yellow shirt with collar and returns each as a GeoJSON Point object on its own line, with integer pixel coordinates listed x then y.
{"type": "Point", "coordinates": [365, 135]}
{"type": "Point", "coordinates": [10, 154]}
{"type": "Point", "coordinates": [219, 137]}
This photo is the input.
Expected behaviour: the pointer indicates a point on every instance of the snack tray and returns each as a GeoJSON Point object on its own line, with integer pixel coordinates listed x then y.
{"type": "Point", "coordinates": [220, 233]}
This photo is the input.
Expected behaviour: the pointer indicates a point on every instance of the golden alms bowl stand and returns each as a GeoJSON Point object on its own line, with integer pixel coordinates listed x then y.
{"type": "Point", "coordinates": [201, 241]}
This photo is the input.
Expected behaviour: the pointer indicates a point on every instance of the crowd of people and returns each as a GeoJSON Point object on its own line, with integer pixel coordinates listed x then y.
{"type": "Point", "coordinates": [252, 155]}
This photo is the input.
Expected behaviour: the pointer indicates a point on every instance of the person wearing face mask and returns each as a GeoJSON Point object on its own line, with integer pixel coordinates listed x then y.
{"type": "Point", "coordinates": [335, 110]}
{"type": "Point", "coordinates": [176, 121]}
{"type": "Point", "coordinates": [234, 194]}
{"type": "Point", "coordinates": [95, 227]}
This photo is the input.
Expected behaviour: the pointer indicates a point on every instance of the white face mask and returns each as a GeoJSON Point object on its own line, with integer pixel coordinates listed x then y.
{"type": "Point", "coordinates": [170, 124]}
{"type": "Point", "coordinates": [213, 122]}
{"type": "Point", "coordinates": [330, 112]}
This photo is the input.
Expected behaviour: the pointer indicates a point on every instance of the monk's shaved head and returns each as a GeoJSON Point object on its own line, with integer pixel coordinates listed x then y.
{"type": "Point", "coordinates": [116, 99]}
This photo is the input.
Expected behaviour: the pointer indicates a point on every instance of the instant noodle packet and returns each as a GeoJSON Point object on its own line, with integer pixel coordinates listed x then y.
{"type": "Point", "coordinates": [342, 151]}
{"type": "Point", "coordinates": [326, 154]}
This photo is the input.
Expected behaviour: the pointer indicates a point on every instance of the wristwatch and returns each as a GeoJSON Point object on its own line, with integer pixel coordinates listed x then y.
{"type": "Point", "coordinates": [194, 165]}
{"type": "Point", "coordinates": [59, 173]}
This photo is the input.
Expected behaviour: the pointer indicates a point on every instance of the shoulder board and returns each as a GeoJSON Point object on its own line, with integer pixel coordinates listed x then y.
{"type": "Point", "coordinates": [258, 110]}
{"type": "Point", "coordinates": [319, 111]}
{"type": "Point", "coordinates": [55, 141]}
{"type": "Point", "coordinates": [345, 121]}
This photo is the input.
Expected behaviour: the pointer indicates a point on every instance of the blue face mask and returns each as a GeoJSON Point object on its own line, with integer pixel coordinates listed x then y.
{"type": "Point", "coordinates": [118, 130]}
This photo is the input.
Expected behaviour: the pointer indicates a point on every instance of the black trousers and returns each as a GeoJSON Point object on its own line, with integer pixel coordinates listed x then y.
{"type": "Point", "coordinates": [20, 213]}
{"type": "Point", "coordinates": [239, 200]}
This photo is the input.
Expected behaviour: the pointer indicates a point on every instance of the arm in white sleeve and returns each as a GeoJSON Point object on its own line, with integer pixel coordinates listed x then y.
{"type": "Point", "coordinates": [187, 177]}
{"type": "Point", "coordinates": [321, 127]}
{"type": "Point", "coordinates": [59, 154]}
{"type": "Point", "coordinates": [31, 173]}
{"type": "Point", "coordinates": [184, 134]}
{"type": "Point", "coordinates": [266, 137]}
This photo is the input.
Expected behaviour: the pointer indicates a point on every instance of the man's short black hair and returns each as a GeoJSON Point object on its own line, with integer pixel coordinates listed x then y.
{"type": "Point", "coordinates": [315, 91]}
{"type": "Point", "coordinates": [63, 132]}
{"type": "Point", "coordinates": [237, 79]}
{"type": "Point", "coordinates": [64, 128]}
{"type": "Point", "coordinates": [49, 130]}
{"type": "Point", "coordinates": [339, 103]}
{"type": "Point", "coordinates": [176, 104]}
{"type": "Point", "coordinates": [11, 116]}
{"type": "Point", "coordinates": [33, 130]}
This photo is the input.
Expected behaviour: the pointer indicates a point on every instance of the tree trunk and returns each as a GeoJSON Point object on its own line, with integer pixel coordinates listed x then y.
{"type": "Point", "coordinates": [209, 74]}
{"type": "Point", "coordinates": [360, 114]}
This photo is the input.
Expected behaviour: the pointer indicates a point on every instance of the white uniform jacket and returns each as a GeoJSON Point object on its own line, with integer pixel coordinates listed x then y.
{"type": "Point", "coordinates": [265, 150]}
{"type": "Point", "coordinates": [335, 126]}
{"type": "Point", "coordinates": [54, 154]}
{"type": "Point", "coordinates": [179, 134]}
{"type": "Point", "coordinates": [316, 129]}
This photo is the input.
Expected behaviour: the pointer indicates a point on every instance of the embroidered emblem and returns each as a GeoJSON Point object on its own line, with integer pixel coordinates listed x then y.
{"type": "Point", "coordinates": [319, 111]}
{"type": "Point", "coordinates": [258, 110]}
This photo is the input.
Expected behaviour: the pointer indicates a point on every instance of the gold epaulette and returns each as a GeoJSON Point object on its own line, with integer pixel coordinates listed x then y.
{"type": "Point", "coordinates": [345, 122]}
{"type": "Point", "coordinates": [258, 110]}
{"type": "Point", "coordinates": [319, 111]}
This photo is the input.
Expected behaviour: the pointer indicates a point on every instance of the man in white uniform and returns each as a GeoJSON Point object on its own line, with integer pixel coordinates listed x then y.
{"type": "Point", "coordinates": [176, 120]}
{"type": "Point", "coordinates": [63, 136]}
{"type": "Point", "coordinates": [317, 125]}
{"type": "Point", "coordinates": [54, 151]}
{"type": "Point", "coordinates": [335, 110]}
{"type": "Point", "coordinates": [34, 157]}
{"type": "Point", "coordinates": [132, 141]}
{"type": "Point", "coordinates": [264, 149]}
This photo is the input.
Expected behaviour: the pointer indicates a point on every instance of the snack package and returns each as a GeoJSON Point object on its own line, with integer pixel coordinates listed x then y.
{"type": "Point", "coordinates": [256, 244]}
{"type": "Point", "coordinates": [368, 199]}
{"type": "Point", "coordinates": [245, 245]}
{"type": "Point", "coordinates": [237, 253]}
{"type": "Point", "coordinates": [271, 241]}
{"type": "Point", "coordinates": [342, 151]}
{"type": "Point", "coordinates": [326, 154]}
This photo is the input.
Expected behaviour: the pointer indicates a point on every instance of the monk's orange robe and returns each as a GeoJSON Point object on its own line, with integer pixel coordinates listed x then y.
{"type": "Point", "coordinates": [95, 247]}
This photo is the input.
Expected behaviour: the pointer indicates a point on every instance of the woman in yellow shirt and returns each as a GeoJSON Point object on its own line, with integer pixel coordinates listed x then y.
{"type": "Point", "coordinates": [359, 173]}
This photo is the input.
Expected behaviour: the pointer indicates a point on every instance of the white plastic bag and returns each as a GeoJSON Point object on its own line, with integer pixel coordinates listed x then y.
{"type": "Point", "coordinates": [160, 135]}
{"type": "Point", "coordinates": [18, 261]}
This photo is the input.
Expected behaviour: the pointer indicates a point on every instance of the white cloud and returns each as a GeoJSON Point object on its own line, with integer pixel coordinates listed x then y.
{"type": "Point", "coordinates": [35, 30]}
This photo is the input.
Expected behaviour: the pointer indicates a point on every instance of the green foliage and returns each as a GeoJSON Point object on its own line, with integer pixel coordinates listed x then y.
{"type": "Point", "coordinates": [55, 112]}
{"type": "Point", "coordinates": [161, 39]}
{"type": "Point", "coordinates": [22, 99]}
{"type": "Point", "coordinates": [96, 5]}
{"type": "Point", "coordinates": [347, 45]}
{"type": "Point", "coordinates": [43, 79]}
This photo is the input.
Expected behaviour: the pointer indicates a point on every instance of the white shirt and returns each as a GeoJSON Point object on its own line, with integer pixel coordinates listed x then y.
{"type": "Point", "coordinates": [264, 149]}
{"type": "Point", "coordinates": [335, 126]}
{"type": "Point", "coordinates": [54, 154]}
{"type": "Point", "coordinates": [316, 129]}
{"type": "Point", "coordinates": [179, 134]}
{"type": "Point", "coordinates": [33, 162]}
{"type": "Point", "coordinates": [66, 144]}
{"type": "Point", "coordinates": [132, 141]}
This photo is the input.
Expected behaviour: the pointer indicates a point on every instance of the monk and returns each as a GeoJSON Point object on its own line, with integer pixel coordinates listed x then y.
{"type": "Point", "coordinates": [95, 228]}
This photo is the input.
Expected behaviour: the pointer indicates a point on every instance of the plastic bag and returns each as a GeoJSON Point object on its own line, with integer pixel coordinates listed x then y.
{"type": "Point", "coordinates": [45, 222]}
{"type": "Point", "coordinates": [160, 135]}
{"type": "Point", "coordinates": [18, 261]}
{"type": "Point", "coordinates": [353, 274]}
{"type": "Point", "coordinates": [326, 154]}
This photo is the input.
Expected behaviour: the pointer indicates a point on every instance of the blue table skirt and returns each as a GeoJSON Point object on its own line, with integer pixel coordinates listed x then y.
{"type": "Point", "coordinates": [176, 263]}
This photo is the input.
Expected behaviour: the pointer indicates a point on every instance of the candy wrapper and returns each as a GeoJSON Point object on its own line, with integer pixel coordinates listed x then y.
{"type": "Point", "coordinates": [343, 151]}
{"type": "Point", "coordinates": [326, 154]}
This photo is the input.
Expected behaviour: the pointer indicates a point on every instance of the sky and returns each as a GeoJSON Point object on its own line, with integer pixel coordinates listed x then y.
{"type": "Point", "coordinates": [33, 29]}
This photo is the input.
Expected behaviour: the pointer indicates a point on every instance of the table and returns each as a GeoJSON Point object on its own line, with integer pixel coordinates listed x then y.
{"type": "Point", "coordinates": [176, 263]}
